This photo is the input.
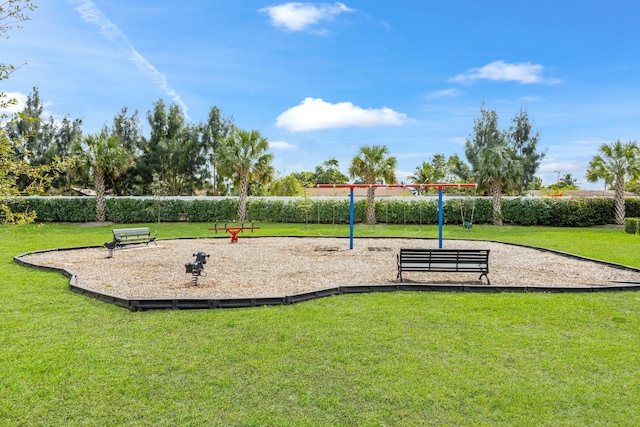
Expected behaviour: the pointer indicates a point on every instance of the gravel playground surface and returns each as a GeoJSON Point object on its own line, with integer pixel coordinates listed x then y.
{"type": "Point", "coordinates": [279, 266]}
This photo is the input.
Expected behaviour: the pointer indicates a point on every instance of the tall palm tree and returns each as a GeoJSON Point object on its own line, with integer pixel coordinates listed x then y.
{"type": "Point", "coordinates": [373, 165]}
{"type": "Point", "coordinates": [614, 163]}
{"type": "Point", "coordinates": [100, 155]}
{"type": "Point", "coordinates": [498, 168]}
{"type": "Point", "coordinates": [243, 156]}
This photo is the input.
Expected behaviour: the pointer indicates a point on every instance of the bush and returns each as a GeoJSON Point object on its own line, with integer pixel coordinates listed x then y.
{"type": "Point", "coordinates": [200, 211]}
{"type": "Point", "coordinates": [56, 209]}
{"type": "Point", "coordinates": [580, 212]}
{"type": "Point", "coordinates": [130, 210]}
{"type": "Point", "coordinates": [632, 225]}
{"type": "Point", "coordinates": [527, 211]}
{"type": "Point", "coordinates": [632, 207]}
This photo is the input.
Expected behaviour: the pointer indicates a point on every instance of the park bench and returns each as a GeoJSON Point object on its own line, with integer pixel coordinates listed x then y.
{"type": "Point", "coordinates": [444, 261]}
{"type": "Point", "coordinates": [126, 236]}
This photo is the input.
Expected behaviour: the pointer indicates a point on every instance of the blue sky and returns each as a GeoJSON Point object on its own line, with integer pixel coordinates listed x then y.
{"type": "Point", "coordinates": [320, 80]}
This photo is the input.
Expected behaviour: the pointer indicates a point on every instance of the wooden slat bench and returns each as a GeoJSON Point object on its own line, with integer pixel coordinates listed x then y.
{"type": "Point", "coordinates": [126, 236]}
{"type": "Point", "coordinates": [444, 261]}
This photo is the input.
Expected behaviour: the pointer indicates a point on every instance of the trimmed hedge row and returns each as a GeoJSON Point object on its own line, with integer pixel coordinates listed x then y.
{"type": "Point", "coordinates": [56, 209]}
{"type": "Point", "coordinates": [573, 212]}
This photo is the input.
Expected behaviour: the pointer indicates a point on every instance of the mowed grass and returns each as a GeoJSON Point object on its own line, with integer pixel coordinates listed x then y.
{"type": "Point", "coordinates": [402, 358]}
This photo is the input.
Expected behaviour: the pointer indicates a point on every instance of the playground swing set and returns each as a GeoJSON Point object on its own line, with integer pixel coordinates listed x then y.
{"type": "Point", "coordinates": [235, 230]}
{"type": "Point", "coordinates": [466, 224]}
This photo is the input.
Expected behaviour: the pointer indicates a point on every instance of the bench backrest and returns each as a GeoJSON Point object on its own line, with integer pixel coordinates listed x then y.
{"type": "Point", "coordinates": [408, 253]}
{"type": "Point", "coordinates": [445, 259]}
{"type": "Point", "coordinates": [126, 232]}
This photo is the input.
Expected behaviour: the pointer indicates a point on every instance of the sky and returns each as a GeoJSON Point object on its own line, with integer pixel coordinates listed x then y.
{"type": "Point", "coordinates": [321, 79]}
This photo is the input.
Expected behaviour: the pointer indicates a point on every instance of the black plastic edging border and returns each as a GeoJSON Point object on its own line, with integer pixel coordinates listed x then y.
{"type": "Point", "coordinates": [134, 304]}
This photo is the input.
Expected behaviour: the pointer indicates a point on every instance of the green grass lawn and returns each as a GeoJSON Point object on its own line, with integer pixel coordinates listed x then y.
{"type": "Point", "coordinates": [401, 358]}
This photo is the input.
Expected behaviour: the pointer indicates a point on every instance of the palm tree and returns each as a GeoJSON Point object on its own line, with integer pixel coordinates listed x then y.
{"type": "Point", "coordinates": [568, 182]}
{"type": "Point", "coordinates": [242, 156]}
{"type": "Point", "coordinates": [101, 156]}
{"type": "Point", "coordinates": [498, 168]}
{"type": "Point", "coordinates": [615, 163]}
{"type": "Point", "coordinates": [436, 171]}
{"type": "Point", "coordinates": [373, 165]}
{"type": "Point", "coordinates": [423, 174]}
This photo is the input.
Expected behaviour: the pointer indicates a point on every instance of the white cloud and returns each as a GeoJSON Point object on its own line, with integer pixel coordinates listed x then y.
{"type": "Point", "coordinates": [315, 113]}
{"type": "Point", "coordinates": [282, 145]}
{"type": "Point", "coordinates": [21, 99]}
{"type": "Point", "coordinates": [90, 14]}
{"type": "Point", "coordinates": [403, 176]}
{"type": "Point", "coordinates": [551, 165]}
{"type": "Point", "coordinates": [297, 16]}
{"type": "Point", "coordinates": [446, 93]}
{"type": "Point", "coordinates": [524, 72]}
{"type": "Point", "coordinates": [552, 169]}
{"type": "Point", "coordinates": [458, 140]}
{"type": "Point", "coordinates": [594, 142]}
{"type": "Point", "coordinates": [527, 99]}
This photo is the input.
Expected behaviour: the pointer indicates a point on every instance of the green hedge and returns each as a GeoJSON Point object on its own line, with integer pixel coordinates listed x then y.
{"type": "Point", "coordinates": [56, 209]}
{"type": "Point", "coordinates": [632, 225]}
{"type": "Point", "coordinates": [632, 207]}
{"type": "Point", "coordinates": [527, 211]}
{"type": "Point", "coordinates": [574, 212]}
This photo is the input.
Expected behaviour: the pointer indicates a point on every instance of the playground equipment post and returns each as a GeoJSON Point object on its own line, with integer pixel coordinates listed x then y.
{"type": "Point", "coordinates": [351, 215]}
{"type": "Point", "coordinates": [440, 220]}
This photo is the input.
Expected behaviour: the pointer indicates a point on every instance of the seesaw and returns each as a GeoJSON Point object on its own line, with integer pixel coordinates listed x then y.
{"type": "Point", "coordinates": [233, 231]}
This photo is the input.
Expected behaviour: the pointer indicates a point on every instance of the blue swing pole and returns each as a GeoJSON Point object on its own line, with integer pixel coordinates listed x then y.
{"type": "Point", "coordinates": [351, 215]}
{"type": "Point", "coordinates": [440, 221]}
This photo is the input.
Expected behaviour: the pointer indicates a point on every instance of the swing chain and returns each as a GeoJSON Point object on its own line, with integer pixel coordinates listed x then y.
{"type": "Point", "coordinates": [468, 224]}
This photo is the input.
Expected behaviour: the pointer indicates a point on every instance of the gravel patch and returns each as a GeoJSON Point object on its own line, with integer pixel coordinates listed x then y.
{"type": "Point", "coordinates": [279, 266]}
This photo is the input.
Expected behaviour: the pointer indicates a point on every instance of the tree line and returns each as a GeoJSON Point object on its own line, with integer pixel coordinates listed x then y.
{"type": "Point", "coordinates": [215, 157]}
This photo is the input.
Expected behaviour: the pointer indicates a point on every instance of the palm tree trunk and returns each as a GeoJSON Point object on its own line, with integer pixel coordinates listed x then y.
{"type": "Point", "coordinates": [101, 205]}
{"type": "Point", "coordinates": [370, 212]}
{"type": "Point", "coordinates": [242, 200]}
{"type": "Point", "coordinates": [495, 202]}
{"type": "Point", "coordinates": [618, 201]}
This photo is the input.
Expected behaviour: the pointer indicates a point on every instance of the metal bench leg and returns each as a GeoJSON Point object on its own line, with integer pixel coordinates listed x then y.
{"type": "Point", "coordinates": [487, 277]}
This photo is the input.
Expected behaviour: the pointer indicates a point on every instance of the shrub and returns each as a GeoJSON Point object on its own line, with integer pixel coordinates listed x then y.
{"type": "Point", "coordinates": [421, 212]}
{"type": "Point", "coordinates": [206, 210]}
{"type": "Point", "coordinates": [580, 212]}
{"type": "Point", "coordinates": [276, 210]}
{"type": "Point", "coordinates": [130, 210]}
{"type": "Point", "coordinates": [200, 211]}
{"type": "Point", "coordinates": [632, 207]}
{"type": "Point", "coordinates": [56, 209]}
{"type": "Point", "coordinates": [527, 211]}
{"type": "Point", "coordinates": [632, 225]}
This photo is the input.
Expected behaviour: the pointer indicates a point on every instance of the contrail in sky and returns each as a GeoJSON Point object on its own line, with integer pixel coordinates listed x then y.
{"type": "Point", "coordinates": [90, 14]}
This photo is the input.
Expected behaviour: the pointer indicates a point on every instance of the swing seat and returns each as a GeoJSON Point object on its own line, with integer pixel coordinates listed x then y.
{"type": "Point", "coordinates": [468, 224]}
